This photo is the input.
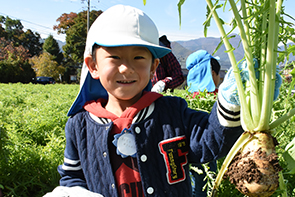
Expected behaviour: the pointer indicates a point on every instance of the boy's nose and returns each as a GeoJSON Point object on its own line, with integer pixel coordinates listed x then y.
{"type": "Point", "coordinates": [126, 68]}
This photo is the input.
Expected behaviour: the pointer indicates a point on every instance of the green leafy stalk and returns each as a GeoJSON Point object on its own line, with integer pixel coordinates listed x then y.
{"type": "Point", "coordinates": [245, 110]}
{"type": "Point", "coordinates": [246, 24]}
{"type": "Point", "coordinates": [259, 31]}
{"type": "Point", "coordinates": [261, 96]}
{"type": "Point", "coordinates": [270, 68]}
{"type": "Point", "coordinates": [282, 119]}
{"type": "Point", "coordinates": [283, 186]}
{"type": "Point", "coordinates": [254, 98]}
{"type": "Point", "coordinates": [179, 10]}
{"type": "Point", "coordinates": [262, 53]}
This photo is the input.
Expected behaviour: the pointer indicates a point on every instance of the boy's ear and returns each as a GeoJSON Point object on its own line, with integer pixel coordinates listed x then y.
{"type": "Point", "coordinates": [91, 66]}
{"type": "Point", "coordinates": [154, 67]}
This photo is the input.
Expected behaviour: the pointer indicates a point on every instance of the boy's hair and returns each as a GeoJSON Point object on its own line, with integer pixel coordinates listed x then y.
{"type": "Point", "coordinates": [94, 49]}
{"type": "Point", "coordinates": [165, 41]}
{"type": "Point", "coordinates": [215, 66]}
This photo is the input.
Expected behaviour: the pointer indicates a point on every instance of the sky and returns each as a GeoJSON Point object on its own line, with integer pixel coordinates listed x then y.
{"type": "Point", "coordinates": [40, 15]}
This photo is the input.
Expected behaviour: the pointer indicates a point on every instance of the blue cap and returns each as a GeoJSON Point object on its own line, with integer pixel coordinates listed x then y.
{"type": "Point", "coordinates": [199, 75]}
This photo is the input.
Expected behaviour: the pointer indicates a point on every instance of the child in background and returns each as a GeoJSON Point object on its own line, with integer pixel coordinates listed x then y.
{"type": "Point", "coordinates": [203, 72]}
{"type": "Point", "coordinates": [121, 138]}
{"type": "Point", "coordinates": [203, 75]}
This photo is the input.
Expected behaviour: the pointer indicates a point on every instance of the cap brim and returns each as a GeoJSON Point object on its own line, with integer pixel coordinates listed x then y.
{"type": "Point", "coordinates": [157, 50]}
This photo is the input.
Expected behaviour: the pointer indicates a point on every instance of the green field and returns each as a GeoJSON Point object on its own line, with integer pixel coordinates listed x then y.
{"type": "Point", "coordinates": [32, 136]}
{"type": "Point", "coordinates": [32, 120]}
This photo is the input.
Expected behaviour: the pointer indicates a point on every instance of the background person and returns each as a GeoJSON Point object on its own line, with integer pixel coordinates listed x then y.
{"type": "Point", "coordinates": [168, 74]}
{"type": "Point", "coordinates": [204, 72]}
{"type": "Point", "coordinates": [203, 75]}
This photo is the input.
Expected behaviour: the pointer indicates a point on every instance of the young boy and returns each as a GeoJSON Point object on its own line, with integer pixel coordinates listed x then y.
{"type": "Point", "coordinates": [122, 139]}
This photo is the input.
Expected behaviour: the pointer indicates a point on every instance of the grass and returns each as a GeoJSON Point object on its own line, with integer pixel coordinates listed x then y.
{"type": "Point", "coordinates": [32, 120]}
{"type": "Point", "coordinates": [32, 141]}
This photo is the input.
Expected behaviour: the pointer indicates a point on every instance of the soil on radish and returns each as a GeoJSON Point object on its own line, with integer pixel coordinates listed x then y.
{"type": "Point", "coordinates": [258, 170]}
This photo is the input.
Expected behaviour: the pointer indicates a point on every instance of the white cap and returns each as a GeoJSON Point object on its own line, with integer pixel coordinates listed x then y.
{"type": "Point", "coordinates": [118, 26]}
{"type": "Point", "coordinates": [125, 26]}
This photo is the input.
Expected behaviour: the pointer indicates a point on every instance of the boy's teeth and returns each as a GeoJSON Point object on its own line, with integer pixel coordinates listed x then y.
{"type": "Point", "coordinates": [125, 81]}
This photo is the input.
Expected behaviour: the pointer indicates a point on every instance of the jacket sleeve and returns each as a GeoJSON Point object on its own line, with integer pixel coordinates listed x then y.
{"type": "Point", "coordinates": [71, 171]}
{"type": "Point", "coordinates": [211, 137]}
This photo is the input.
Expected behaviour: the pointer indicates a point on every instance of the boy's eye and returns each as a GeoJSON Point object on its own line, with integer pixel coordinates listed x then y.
{"type": "Point", "coordinates": [114, 57]}
{"type": "Point", "coordinates": [138, 57]}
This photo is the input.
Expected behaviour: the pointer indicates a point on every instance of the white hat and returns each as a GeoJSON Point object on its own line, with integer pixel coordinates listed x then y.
{"type": "Point", "coordinates": [125, 26]}
{"type": "Point", "coordinates": [118, 26]}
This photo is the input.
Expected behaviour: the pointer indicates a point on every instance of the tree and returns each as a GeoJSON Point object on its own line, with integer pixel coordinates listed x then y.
{"type": "Point", "coordinates": [13, 31]}
{"type": "Point", "coordinates": [45, 65]}
{"type": "Point", "coordinates": [65, 22]}
{"type": "Point", "coordinates": [75, 28]}
{"type": "Point", "coordinates": [51, 46]}
{"type": "Point", "coordinates": [31, 41]}
{"type": "Point", "coordinates": [16, 47]}
{"type": "Point", "coordinates": [10, 52]}
{"type": "Point", "coordinates": [14, 66]}
{"type": "Point", "coordinates": [2, 30]}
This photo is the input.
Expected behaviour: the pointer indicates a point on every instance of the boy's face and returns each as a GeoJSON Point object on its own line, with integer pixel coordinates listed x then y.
{"type": "Point", "coordinates": [216, 78]}
{"type": "Point", "coordinates": [123, 71]}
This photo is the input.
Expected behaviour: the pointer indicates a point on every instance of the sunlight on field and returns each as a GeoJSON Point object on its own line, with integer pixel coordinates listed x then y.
{"type": "Point", "coordinates": [32, 121]}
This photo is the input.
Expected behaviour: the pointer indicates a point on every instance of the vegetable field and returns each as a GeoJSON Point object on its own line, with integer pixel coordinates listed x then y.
{"type": "Point", "coordinates": [32, 121]}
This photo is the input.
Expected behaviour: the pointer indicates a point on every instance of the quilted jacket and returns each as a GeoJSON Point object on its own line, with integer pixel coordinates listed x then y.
{"type": "Point", "coordinates": [168, 138]}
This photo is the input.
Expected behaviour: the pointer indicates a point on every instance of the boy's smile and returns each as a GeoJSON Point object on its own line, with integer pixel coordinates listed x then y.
{"type": "Point", "coordinates": [126, 82]}
{"type": "Point", "coordinates": [123, 71]}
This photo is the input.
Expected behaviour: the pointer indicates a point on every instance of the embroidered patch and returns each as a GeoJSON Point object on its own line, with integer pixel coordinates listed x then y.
{"type": "Point", "coordinates": [175, 152]}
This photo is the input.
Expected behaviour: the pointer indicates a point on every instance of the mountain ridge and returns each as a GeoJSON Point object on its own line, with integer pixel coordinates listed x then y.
{"type": "Point", "coordinates": [182, 49]}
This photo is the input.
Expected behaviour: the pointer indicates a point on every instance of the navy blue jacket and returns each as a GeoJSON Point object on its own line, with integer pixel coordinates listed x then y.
{"type": "Point", "coordinates": [168, 138]}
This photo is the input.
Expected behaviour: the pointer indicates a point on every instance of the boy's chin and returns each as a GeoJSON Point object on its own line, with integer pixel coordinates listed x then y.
{"type": "Point", "coordinates": [127, 96]}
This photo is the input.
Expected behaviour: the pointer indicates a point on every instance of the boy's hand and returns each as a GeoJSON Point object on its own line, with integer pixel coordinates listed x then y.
{"type": "Point", "coordinates": [228, 88]}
